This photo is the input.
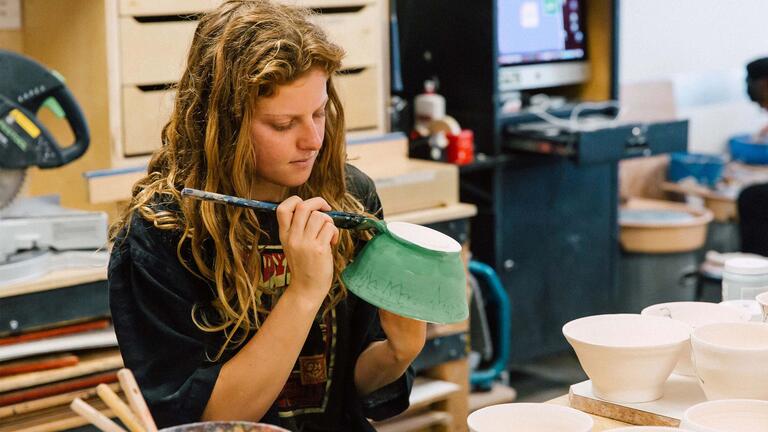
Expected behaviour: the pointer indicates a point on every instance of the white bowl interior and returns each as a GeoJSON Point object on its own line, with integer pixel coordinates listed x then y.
{"type": "Point", "coordinates": [424, 237]}
{"type": "Point", "coordinates": [627, 330]}
{"type": "Point", "coordinates": [529, 417]}
{"type": "Point", "coordinates": [736, 415]}
{"type": "Point", "coordinates": [696, 314]}
{"type": "Point", "coordinates": [734, 336]}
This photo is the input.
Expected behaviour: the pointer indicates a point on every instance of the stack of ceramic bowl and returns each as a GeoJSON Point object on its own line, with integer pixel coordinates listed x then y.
{"type": "Point", "coordinates": [735, 415]}
{"type": "Point", "coordinates": [694, 314]}
{"type": "Point", "coordinates": [529, 417]}
{"type": "Point", "coordinates": [731, 360]}
{"type": "Point", "coordinates": [628, 357]}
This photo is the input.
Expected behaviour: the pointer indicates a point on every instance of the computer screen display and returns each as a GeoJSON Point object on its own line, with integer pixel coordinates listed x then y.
{"type": "Point", "coordinates": [540, 31]}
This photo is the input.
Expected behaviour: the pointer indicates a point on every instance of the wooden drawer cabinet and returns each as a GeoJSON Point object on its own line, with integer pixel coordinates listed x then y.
{"type": "Point", "coordinates": [153, 52]}
{"type": "Point", "coordinates": [141, 46]}
{"type": "Point", "coordinates": [356, 32]}
{"type": "Point", "coordinates": [145, 112]}
{"type": "Point", "coordinates": [164, 7]}
{"type": "Point", "coordinates": [357, 88]}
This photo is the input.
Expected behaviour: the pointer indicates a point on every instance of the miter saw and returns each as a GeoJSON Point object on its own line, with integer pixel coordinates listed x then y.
{"type": "Point", "coordinates": [35, 233]}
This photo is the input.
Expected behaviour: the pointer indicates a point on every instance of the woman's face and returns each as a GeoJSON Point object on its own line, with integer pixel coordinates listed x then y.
{"type": "Point", "coordinates": [287, 132]}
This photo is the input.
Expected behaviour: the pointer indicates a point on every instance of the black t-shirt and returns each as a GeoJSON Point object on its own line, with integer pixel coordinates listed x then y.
{"type": "Point", "coordinates": [152, 295]}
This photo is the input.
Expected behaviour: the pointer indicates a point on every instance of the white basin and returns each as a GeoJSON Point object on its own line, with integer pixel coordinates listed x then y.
{"type": "Point", "coordinates": [628, 357]}
{"type": "Point", "coordinates": [734, 415]}
{"type": "Point", "coordinates": [529, 417]}
{"type": "Point", "coordinates": [731, 360]}
{"type": "Point", "coordinates": [695, 314]}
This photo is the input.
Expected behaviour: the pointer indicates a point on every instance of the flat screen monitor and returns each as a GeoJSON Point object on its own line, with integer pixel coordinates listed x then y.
{"type": "Point", "coordinates": [541, 43]}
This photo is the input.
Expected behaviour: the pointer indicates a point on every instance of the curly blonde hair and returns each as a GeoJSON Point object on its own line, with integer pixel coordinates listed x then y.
{"type": "Point", "coordinates": [242, 51]}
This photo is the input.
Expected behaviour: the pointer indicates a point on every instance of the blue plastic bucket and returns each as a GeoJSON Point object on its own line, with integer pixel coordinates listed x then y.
{"type": "Point", "coordinates": [745, 149]}
{"type": "Point", "coordinates": [707, 169]}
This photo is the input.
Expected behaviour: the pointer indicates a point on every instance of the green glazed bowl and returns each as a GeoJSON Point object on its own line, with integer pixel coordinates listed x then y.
{"type": "Point", "coordinates": [412, 271]}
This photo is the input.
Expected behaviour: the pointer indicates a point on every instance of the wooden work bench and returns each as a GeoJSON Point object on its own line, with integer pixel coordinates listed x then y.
{"type": "Point", "coordinates": [444, 413]}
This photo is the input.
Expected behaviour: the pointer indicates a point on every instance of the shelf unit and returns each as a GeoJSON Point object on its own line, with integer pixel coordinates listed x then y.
{"type": "Point", "coordinates": [121, 57]}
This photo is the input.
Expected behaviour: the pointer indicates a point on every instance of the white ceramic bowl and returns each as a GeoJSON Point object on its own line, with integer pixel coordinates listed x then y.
{"type": "Point", "coordinates": [628, 357]}
{"type": "Point", "coordinates": [695, 314]}
{"type": "Point", "coordinates": [734, 415]}
{"type": "Point", "coordinates": [529, 417]}
{"type": "Point", "coordinates": [762, 300]}
{"type": "Point", "coordinates": [751, 307]}
{"type": "Point", "coordinates": [731, 360]}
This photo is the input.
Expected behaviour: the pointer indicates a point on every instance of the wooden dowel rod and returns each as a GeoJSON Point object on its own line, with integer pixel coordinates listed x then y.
{"type": "Point", "coordinates": [121, 410]}
{"type": "Point", "coordinates": [94, 416]}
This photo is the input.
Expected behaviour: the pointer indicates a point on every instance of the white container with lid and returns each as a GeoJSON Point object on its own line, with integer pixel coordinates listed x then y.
{"type": "Point", "coordinates": [744, 278]}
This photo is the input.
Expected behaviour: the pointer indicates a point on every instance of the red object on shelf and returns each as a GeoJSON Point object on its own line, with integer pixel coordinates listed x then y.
{"type": "Point", "coordinates": [461, 147]}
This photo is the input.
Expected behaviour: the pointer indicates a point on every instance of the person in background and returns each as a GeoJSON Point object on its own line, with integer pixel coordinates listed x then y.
{"type": "Point", "coordinates": [225, 314]}
{"type": "Point", "coordinates": [753, 200]}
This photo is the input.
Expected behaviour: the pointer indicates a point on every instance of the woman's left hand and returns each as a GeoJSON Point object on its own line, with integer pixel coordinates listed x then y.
{"type": "Point", "coordinates": [405, 336]}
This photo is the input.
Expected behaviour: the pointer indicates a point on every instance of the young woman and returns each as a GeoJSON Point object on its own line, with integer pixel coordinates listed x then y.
{"type": "Point", "coordinates": [225, 314]}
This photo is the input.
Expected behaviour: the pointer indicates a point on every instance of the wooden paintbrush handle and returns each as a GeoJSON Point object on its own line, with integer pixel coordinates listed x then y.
{"type": "Point", "coordinates": [132, 392]}
{"type": "Point", "coordinates": [94, 416]}
{"type": "Point", "coordinates": [121, 410]}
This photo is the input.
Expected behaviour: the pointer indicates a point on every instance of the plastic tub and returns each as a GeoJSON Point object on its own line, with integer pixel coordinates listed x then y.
{"type": "Point", "coordinates": [666, 227]}
{"type": "Point", "coordinates": [745, 149]}
{"type": "Point", "coordinates": [707, 169]}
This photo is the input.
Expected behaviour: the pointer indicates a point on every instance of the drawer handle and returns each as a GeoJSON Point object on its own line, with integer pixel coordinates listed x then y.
{"type": "Point", "coordinates": [156, 87]}
{"type": "Point", "coordinates": [166, 18]}
{"type": "Point", "coordinates": [351, 71]}
{"type": "Point", "coordinates": [337, 9]}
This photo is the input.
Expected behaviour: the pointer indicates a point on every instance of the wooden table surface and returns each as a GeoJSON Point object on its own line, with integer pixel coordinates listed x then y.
{"type": "Point", "coordinates": [601, 423]}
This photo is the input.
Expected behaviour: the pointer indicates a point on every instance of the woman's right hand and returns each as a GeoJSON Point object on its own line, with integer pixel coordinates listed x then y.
{"type": "Point", "coordinates": [307, 236]}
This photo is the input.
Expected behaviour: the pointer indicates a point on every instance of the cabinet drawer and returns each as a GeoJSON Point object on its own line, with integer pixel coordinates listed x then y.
{"type": "Point", "coordinates": [357, 33]}
{"type": "Point", "coordinates": [165, 7]}
{"type": "Point", "coordinates": [154, 52]}
{"type": "Point", "coordinates": [359, 93]}
{"type": "Point", "coordinates": [145, 113]}
{"type": "Point", "coordinates": [319, 4]}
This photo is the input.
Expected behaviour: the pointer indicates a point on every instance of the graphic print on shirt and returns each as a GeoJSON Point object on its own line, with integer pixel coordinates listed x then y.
{"type": "Point", "coordinates": [309, 383]}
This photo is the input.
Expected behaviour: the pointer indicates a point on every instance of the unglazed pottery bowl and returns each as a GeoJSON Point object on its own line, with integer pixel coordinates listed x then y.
{"type": "Point", "coordinates": [731, 360]}
{"type": "Point", "coordinates": [762, 300]}
{"type": "Point", "coordinates": [751, 307]}
{"type": "Point", "coordinates": [730, 415]}
{"type": "Point", "coordinates": [225, 427]}
{"type": "Point", "coordinates": [628, 357]}
{"type": "Point", "coordinates": [413, 271]}
{"type": "Point", "coordinates": [529, 417]}
{"type": "Point", "coordinates": [695, 314]}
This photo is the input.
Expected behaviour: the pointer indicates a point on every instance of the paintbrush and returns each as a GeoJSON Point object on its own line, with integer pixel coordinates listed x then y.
{"type": "Point", "coordinates": [340, 219]}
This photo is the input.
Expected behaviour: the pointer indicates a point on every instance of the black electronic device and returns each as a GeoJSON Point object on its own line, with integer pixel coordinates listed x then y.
{"type": "Point", "coordinates": [484, 52]}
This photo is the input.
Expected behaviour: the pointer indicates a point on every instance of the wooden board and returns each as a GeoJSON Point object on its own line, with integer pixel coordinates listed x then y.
{"type": "Point", "coordinates": [680, 393]}
{"type": "Point", "coordinates": [37, 405]}
{"type": "Point", "coordinates": [89, 363]}
{"type": "Point", "coordinates": [601, 423]}
{"type": "Point", "coordinates": [38, 363]}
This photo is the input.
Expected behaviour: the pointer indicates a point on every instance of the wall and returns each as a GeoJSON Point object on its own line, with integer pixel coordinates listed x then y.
{"type": "Point", "coordinates": [701, 46]}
